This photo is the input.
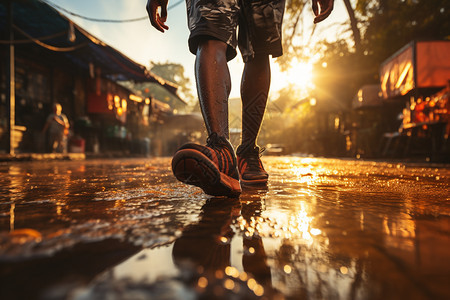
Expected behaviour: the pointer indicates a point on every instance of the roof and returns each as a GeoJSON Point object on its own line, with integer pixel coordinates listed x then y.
{"type": "Point", "coordinates": [38, 23]}
{"type": "Point", "coordinates": [417, 65]}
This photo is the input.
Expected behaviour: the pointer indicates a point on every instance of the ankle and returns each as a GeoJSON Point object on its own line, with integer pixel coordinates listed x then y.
{"type": "Point", "coordinates": [217, 139]}
{"type": "Point", "coordinates": [246, 148]}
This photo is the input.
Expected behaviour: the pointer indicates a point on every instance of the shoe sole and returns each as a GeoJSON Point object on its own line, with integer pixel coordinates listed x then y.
{"type": "Point", "coordinates": [194, 168]}
{"type": "Point", "coordinates": [254, 182]}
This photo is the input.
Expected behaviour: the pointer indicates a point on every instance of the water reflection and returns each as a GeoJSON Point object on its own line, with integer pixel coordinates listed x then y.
{"type": "Point", "coordinates": [207, 243]}
{"type": "Point", "coordinates": [206, 246]}
{"type": "Point", "coordinates": [48, 277]}
{"type": "Point", "coordinates": [75, 202]}
{"type": "Point", "coordinates": [321, 229]}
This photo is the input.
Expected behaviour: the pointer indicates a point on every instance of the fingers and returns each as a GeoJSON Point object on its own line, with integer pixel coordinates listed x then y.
{"type": "Point", "coordinates": [163, 18]}
{"type": "Point", "coordinates": [315, 8]}
{"type": "Point", "coordinates": [164, 12]}
{"type": "Point", "coordinates": [158, 21]}
{"type": "Point", "coordinates": [161, 23]}
{"type": "Point", "coordinates": [326, 7]}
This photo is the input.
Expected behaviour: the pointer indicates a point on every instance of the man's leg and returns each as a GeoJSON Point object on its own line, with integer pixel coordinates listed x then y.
{"type": "Point", "coordinates": [211, 167]}
{"type": "Point", "coordinates": [254, 92]}
{"type": "Point", "coordinates": [213, 85]}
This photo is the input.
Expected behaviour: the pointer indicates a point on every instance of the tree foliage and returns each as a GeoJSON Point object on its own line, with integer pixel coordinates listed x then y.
{"type": "Point", "coordinates": [174, 73]}
{"type": "Point", "coordinates": [389, 25]}
{"type": "Point", "coordinates": [171, 72]}
{"type": "Point", "coordinates": [379, 28]}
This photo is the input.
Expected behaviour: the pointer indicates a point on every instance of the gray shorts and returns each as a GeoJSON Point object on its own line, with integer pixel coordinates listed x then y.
{"type": "Point", "coordinates": [259, 24]}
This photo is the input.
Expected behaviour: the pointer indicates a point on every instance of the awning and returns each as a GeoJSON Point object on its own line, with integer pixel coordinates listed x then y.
{"type": "Point", "coordinates": [418, 65]}
{"type": "Point", "coordinates": [38, 23]}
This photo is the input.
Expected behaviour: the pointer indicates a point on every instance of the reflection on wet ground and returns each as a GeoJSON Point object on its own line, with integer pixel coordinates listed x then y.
{"type": "Point", "coordinates": [321, 229]}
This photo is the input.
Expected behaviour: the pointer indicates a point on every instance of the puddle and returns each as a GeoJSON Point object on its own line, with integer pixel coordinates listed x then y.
{"type": "Point", "coordinates": [322, 228]}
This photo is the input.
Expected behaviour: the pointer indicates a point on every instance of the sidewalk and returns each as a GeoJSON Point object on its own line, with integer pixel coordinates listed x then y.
{"type": "Point", "coordinates": [41, 156]}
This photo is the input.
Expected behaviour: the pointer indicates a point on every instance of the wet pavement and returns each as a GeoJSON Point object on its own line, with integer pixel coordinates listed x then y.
{"type": "Point", "coordinates": [321, 229]}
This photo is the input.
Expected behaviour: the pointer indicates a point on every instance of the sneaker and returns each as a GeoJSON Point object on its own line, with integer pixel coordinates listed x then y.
{"type": "Point", "coordinates": [211, 167]}
{"type": "Point", "coordinates": [250, 167]}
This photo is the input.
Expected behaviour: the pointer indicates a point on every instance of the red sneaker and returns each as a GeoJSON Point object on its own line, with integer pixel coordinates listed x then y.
{"type": "Point", "coordinates": [251, 169]}
{"type": "Point", "coordinates": [211, 167]}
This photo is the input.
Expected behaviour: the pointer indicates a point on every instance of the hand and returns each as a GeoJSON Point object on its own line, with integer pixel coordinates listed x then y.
{"type": "Point", "coordinates": [326, 6]}
{"type": "Point", "coordinates": [158, 21]}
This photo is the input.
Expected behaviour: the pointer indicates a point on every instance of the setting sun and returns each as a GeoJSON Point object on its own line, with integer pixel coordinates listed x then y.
{"type": "Point", "coordinates": [298, 75]}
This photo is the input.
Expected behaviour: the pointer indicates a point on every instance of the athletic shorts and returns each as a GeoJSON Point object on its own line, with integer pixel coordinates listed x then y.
{"type": "Point", "coordinates": [259, 23]}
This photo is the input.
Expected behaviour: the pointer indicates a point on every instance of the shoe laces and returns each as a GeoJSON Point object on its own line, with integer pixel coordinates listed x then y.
{"type": "Point", "coordinates": [252, 156]}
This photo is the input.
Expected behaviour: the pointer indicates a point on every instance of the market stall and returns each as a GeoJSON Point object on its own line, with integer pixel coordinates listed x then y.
{"type": "Point", "coordinates": [418, 76]}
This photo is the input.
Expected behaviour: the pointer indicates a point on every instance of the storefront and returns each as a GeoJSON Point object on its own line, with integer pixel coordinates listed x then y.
{"type": "Point", "coordinates": [417, 78]}
{"type": "Point", "coordinates": [81, 73]}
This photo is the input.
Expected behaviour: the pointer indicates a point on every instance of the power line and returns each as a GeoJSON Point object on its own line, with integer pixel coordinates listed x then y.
{"type": "Point", "coordinates": [38, 40]}
{"type": "Point", "coordinates": [50, 47]}
{"type": "Point", "coordinates": [47, 37]}
{"type": "Point", "coordinates": [104, 20]}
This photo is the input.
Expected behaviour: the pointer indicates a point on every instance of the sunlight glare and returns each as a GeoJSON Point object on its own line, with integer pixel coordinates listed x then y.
{"type": "Point", "coordinates": [298, 75]}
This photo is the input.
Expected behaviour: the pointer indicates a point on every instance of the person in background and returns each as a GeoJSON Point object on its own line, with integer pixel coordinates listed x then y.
{"type": "Point", "coordinates": [57, 126]}
{"type": "Point", "coordinates": [216, 168]}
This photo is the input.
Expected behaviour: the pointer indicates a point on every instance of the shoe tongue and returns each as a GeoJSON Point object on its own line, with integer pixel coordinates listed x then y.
{"type": "Point", "coordinates": [246, 150]}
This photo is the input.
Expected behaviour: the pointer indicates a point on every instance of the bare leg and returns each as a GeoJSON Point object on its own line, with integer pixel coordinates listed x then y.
{"type": "Point", "coordinates": [211, 167]}
{"type": "Point", "coordinates": [213, 85]}
{"type": "Point", "coordinates": [255, 86]}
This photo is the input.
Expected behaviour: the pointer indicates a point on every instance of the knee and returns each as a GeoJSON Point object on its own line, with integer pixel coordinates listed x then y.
{"type": "Point", "coordinates": [260, 60]}
{"type": "Point", "coordinates": [212, 47]}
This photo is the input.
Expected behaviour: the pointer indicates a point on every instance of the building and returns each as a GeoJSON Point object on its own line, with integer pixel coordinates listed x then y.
{"type": "Point", "coordinates": [408, 113]}
{"type": "Point", "coordinates": [417, 79]}
{"type": "Point", "coordinates": [47, 59]}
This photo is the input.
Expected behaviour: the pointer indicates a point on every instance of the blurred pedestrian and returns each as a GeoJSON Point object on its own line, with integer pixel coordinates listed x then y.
{"type": "Point", "coordinates": [57, 126]}
{"type": "Point", "coordinates": [215, 167]}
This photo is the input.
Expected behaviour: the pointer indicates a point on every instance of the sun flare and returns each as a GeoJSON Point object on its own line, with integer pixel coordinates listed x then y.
{"type": "Point", "coordinates": [299, 75]}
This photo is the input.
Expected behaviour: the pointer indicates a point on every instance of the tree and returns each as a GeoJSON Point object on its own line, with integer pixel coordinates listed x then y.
{"type": "Point", "coordinates": [292, 24]}
{"type": "Point", "coordinates": [174, 73]}
{"type": "Point", "coordinates": [354, 26]}
{"type": "Point", "coordinates": [295, 13]}
{"type": "Point", "coordinates": [392, 24]}
{"type": "Point", "coordinates": [379, 28]}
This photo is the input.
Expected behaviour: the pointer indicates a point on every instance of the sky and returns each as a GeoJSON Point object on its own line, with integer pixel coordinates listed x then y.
{"type": "Point", "coordinates": [142, 43]}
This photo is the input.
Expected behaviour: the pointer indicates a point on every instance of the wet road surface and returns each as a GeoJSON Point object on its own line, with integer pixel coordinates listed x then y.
{"type": "Point", "coordinates": [322, 229]}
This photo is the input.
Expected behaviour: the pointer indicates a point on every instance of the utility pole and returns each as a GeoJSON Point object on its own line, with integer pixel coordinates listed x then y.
{"type": "Point", "coordinates": [12, 89]}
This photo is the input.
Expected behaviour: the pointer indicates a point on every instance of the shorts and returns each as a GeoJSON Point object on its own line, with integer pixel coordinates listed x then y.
{"type": "Point", "coordinates": [259, 24]}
